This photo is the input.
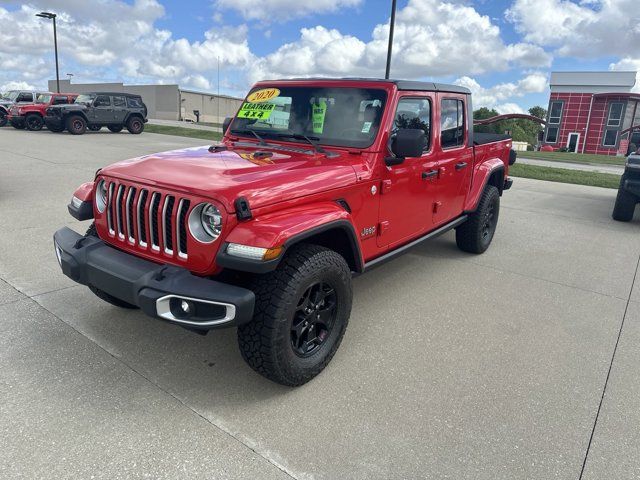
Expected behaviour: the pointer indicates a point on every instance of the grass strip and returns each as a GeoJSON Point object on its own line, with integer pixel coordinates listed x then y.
{"type": "Point", "coordinates": [563, 175]}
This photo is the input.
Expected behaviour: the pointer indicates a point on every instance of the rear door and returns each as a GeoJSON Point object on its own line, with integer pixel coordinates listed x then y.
{"type": "Point", "coordinates": [409, 189]}
{"type": "Point", "coordinates": [119, 108]}
{"type": "Point", "coordinates": [455, 160]}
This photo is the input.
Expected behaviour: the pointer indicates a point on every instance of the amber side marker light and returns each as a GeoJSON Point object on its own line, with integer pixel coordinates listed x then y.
{"type": "Point", "coordinates": [253, 253]}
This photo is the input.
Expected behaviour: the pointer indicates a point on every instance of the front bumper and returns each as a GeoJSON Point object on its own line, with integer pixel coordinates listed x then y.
{"type": "Point", "coordinates": [159, 290]}
{"type": "Point", "coordinates": [632, 186]}
{"type": "Point", "coordinates": [55, 122]}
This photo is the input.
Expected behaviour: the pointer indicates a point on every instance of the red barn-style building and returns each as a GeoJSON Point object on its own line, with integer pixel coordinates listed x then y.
{"type": "Point", "coordinates": [589, 111]}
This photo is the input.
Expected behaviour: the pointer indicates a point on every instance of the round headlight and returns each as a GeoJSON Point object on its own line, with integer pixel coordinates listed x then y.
{"type": "Point", "coordinates": [101, 196]}
{"type": "Point", "coordinates": [205, 222]}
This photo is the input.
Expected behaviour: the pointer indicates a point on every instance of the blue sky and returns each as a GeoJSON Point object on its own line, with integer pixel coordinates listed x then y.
{"type": "Point", "coordinates": [503, 50]}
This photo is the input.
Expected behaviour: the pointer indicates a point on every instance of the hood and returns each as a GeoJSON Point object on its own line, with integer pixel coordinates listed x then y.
{"type": "Point", "coordinates": [263, 176]}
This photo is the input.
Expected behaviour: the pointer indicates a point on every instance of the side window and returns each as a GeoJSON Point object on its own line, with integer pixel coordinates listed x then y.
{"type": "Point", "coordinates": [102, 101]}
{"type": "Point", "coordinates": [414, 113]}
{"type": "Point", "coordinates": [25, 97]}
{"type": "Point", "coordinates": [134, 102]}
{"type": "Point", "coordinates": [60, 100]}
{"type": "Point", "coordinates": [451, 123]}
{"type": "Point", "coordinates": [119, 102]}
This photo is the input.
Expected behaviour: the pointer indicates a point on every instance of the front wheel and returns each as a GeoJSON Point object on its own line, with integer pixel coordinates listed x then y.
{"type": "Point", "coordinates": [625, 204]}
{"type": "Point", "coordinates": [3, 119]}
{"type": "Point", "coordinates": [76, 125]}
{"type": "Point", "coordinates": [475, 235]}
{"type": "Point", "coordinates": [301, 313]}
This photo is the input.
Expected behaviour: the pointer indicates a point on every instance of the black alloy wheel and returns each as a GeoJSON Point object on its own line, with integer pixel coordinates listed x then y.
{"type": "Point", "coordinates": [313, 319]}
{"type": "Point", "coordinates": [34, 122]}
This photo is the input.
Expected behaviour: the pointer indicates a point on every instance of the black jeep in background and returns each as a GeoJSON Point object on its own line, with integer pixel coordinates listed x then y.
{"type": "Point", "coordinates": [96, 110]}
{"type": "Point", "coordinates": [629, 191]}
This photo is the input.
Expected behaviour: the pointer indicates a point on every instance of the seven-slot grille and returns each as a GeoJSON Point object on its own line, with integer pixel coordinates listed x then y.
{"type": "Point", "coordinates": [148, 218]}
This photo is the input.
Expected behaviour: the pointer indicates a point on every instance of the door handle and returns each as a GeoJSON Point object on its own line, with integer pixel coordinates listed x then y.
{"type": "Point", "coordinates": [429, 174]}
{"type": "Point", "coordinates": [461, 165]}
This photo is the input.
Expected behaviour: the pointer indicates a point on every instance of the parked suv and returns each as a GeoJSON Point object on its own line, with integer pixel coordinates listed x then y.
{"type": "Point", "coordinates": [629, 191]}
{"type": "Point", "coordinates": [31, 115]}
{"type": "Point", "coordinates": [315, 180]}
{"type": "Point", "coordinates": [96, 110]}
{"type": "Point", "coordinates": [12, 97]}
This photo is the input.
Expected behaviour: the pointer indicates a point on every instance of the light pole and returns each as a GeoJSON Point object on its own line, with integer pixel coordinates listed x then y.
{"type": "Point", "coordinates": [52, 16]}
{"type": "Point", "coordinates": [391, 26]}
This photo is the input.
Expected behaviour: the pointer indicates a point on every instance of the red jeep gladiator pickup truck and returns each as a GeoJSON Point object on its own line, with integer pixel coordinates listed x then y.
{"type": "Point", "coordinates": [31, 115]}
{"type": "Point", "coordinates": [316, 180]}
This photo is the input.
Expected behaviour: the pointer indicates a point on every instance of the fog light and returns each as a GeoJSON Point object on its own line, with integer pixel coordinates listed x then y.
{"type": "Point", "coordinates": [181, 308]}
{"type": "Point", "coordinates": [186, 308]}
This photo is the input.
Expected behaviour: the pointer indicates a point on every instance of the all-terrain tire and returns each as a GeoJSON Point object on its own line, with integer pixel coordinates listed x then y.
{"type": "Point", "coordinates": [92, 232]}
{"type": "Point", "coordinates": [3, 119]}
{"type": "Point", "coordinates": [76, 125]}
{"type": "Point", "coordinates": [34, 122]}
{"type": "Point", "coordinates": [267, 342]}
{"type": "Point", "coordinates": [135, 125]}
{"type": "Point", "coordinates": [475, 235]}
{"type": "Point", "coordinates": [625, 204]}
{"type": "Point", "coordinates": [115, 128]}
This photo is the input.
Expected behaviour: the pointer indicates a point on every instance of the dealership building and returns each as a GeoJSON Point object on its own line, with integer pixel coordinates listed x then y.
{"type": "Point", "coordinates": [593, 112]}
{"type": "Point", "coordinates": [165, 102]}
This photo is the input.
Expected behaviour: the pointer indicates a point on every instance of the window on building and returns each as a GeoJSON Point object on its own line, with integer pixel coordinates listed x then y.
{"type": "Point", "coordinates": [555, 112]}
{"type": "Point", "coordinates": [610, 138]}
{"type": "Point", "coordinates": [119, 102]}
{"type": "Point", "coordinates": [414, 113]}
{"type": "Point", "coordinates": [451, 123]}
{"type": "Point", "coordinates": [552, 135]}
{"type": "Point", "coordinates": [615, 114]}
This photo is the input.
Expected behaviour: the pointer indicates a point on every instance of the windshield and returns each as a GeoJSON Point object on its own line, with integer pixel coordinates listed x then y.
{"type": "Point", "coordinates": [43, 98]}
{"type": "Point", "coordinates": [85, 99]}
{"type": "Point", "coordinates": [346, 117]}
{"type": "Point", "coordinates": [11, 95]}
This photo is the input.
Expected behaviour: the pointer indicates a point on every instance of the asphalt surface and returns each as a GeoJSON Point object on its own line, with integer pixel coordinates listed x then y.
{"type": "Point", "coordinates": [517, 364]}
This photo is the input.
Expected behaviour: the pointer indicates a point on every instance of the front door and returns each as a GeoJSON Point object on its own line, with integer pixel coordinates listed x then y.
{"type": "Point", "coordinates": [102, 110]}
{"type": "Point", "coordinates": [408, 189]}
{"type": "Point", "coordinates": [572, 142]}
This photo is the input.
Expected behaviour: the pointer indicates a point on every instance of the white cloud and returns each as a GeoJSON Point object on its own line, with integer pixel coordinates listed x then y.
{"type": "Point", "coordinates": [282, 10]}
{"type": "Point", "coordinates": [629, 64]}
{"type": "Point", "coordinates": [497, 95]}
{"type": "Point", "coordinates": [432, 39]}
{"type": "Point", "coordinates": [585, 29]}
{"type": "Point", "coordinates": [16, 86]}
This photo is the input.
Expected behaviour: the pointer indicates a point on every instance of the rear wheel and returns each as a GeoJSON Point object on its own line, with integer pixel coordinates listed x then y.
{"type": "Point", "coordinates": [301, 313]}
{"type": "Point", "coordinates": [476, 234]}
{"type": "Point", "coordinates": [76, 125]}
{"type": "Point", "coordinates": [115, 128]}
{"type": "Point", "coordinates": [101, 294]}
{"type": "Point", "coordinates": [34, 122]}
{"type": "Point", "coordinates": [625, 204]}
{"type": "Point", "coordinates": [135, 125]}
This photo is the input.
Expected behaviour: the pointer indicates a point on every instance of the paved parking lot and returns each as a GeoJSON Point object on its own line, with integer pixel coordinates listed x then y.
{"type": "Point", "coordinates": [453, 366]}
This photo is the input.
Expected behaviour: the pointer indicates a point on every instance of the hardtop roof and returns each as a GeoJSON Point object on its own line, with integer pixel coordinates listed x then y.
{"type": "Point", "coordinates": [400, 84]}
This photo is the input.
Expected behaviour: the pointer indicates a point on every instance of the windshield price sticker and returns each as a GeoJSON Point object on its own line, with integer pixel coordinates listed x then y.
{"type": "Point", "coordinates": [263, 95]}
{"type": "Point", "coordinates": [260, 111]}
{"type": "Point", "coordinates": [318, 114]}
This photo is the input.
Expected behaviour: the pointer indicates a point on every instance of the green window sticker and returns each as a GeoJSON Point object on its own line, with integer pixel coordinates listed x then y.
{"type": "Point", "coordinates": [259, 111]}
{"type": "Point", "coordinates": [319, 112]}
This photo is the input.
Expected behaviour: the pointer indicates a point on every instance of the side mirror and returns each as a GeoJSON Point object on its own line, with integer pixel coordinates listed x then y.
{"type": "Point", "coordinates": [408, 142]}
{"type": "Point", "coordinates": [226, 124]}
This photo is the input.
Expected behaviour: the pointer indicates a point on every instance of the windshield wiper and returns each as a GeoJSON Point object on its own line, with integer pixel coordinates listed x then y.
{"type": "Point", "coordinates": [300, 136]}
{"type": "Point", "coordinates": [252, 132]}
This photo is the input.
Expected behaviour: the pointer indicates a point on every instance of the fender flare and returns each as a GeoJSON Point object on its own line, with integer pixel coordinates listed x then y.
{"type": "Point", "coordinates": [132, 114]}
{"type": "Point", "coordinates": [481, 176]}
{"type": "Point", "coordinates": [67, 114]}
{"type": "Point", "coordinates": [288, 228]}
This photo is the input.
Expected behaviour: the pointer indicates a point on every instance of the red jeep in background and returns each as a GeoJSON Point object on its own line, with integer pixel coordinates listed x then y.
{"type": "Point", "coordinates": [31, 115]}
{"type": "Point", "coordinates": [315, 180]}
